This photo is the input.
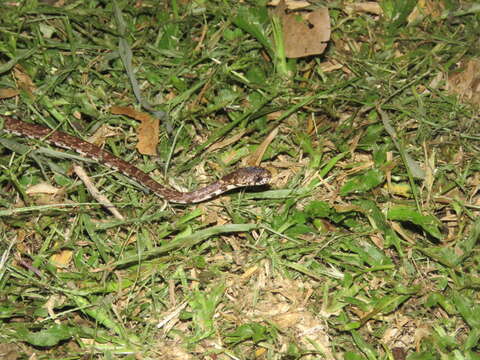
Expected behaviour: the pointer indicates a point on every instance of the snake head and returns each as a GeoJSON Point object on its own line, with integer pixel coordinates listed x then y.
{"type": "Point", "coordinates": [248, 176]}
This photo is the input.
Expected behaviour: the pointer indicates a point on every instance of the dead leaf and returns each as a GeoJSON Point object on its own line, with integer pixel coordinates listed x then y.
{"type": "Point", "coordinates": [248, 273]}
{"type": "Point", "coordinates": [23, 80]}
{"type": "Point", "coordinates": [62, 259]}
{"type": "Point", "coordinates": [424, 8]}
{"type": "Point", "coordinates": [400, 189]}
{"type": "Point", "coordinates": [10, 351]}
{"type": "Point", "coordinates": [101, 134]}
{"type": "Point", "coordinates": [370, 7]}
{"type": "Point", "coordinates": [256, 158]}
{"type": "Point", "coordinates": [304, 33]}
{"type": "Point", "coordinates": [291, 5]}
{"type": "Point", "coordinates": [8, 93]}
{"type": "Point", "coordinates": [148, 131]}
{"type": "Point", "coordinates": [231, 140]}
{"type": "Point", "coordinates": [288, 319]}
{"type": "Point", "coordinates": [53, 302]}
{"type": "Point", "coordinates": [42, 188]}
{"type": "Point", "coordinates": [330, 66]}
{"type": "Point", "coordinates": [466, 81]}
{"type": "Point", "coordinates": [230, 156]}
{"type": "Point", "coordinates": [274, 115]}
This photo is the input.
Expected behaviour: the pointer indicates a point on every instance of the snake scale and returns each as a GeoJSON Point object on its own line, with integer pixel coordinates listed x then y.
{"type": "Point", "coordinates": [246, 176]}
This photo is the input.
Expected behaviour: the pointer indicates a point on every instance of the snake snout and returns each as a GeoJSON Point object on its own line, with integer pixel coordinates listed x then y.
{"type": "Point", "coordinates": [264, 178]}
{"type": "Point", "coordinates": [247, 176]}
{"type": "Point", "coordinates": [258, 176]}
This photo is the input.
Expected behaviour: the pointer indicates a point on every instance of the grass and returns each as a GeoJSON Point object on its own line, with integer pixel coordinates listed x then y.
{"type": "Point", "coordinates": [364, 247]}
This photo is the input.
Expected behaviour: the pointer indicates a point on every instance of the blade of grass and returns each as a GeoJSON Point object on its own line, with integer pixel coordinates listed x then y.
{"type": "Point", "coordinates": [185, 242]}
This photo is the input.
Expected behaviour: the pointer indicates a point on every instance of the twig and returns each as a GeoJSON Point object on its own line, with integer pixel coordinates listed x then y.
{"type": "Point", "coordinates": [96, 193]}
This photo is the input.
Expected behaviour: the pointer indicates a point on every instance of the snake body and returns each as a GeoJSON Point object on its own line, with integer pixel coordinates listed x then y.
{"type": "Point", "coordinates": [247, 176]}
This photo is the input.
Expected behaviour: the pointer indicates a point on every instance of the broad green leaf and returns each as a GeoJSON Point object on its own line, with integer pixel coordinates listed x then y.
{"type": "Point", "coordinates": [317, 208]}
{"type": "Point", "coordinates": [469, 310]}
{"type": "Point", "coordinates": [253, 21]}
{"type": "Point", "coordinates": [472, 340]}
{"type": "Point", "coordinates": [48, 337]}
{"type": "Point", "coordinates": [313, 151]}
{"type": "Point", "coordinates": [424, 355]}
{"type": "Point", "coordinates": [299, 229]}
{"type": "Point", "coordinates": [389, 303]}
{"type": "Point", "coordinates": [203, 306]}
{"type": "Point", "coordinates": [378, 220]}
{"type": "Point", "coordinates": [352, 356]}
{"type": "Point", "coordinates": [256, 75]}
{"type": "Point", "coordinates": [396, 12]}
{"type": "Point", "coordinates": [369, 253]}
{"type": "Point", "coordinates": [187, 240]}
{"type": "Point", "coordinates": [362, 183]}
{"type": "Point", "coordinates": [372, 136]}
{"type": "Point", "coordinates": [365, 347]}
{"type": "Point", "coordinates": [428, 223]}
{"type": "Point", "coordinates": [444, 255]}
{"type": "Point", "coordinates": [100, 314]}
{"type": "Point", "coordinates": [436, 298]}
{"type": "Point", "coordinates": [250, 331]}
{"type": "Point", "coordinates": [469, 243]}
{"type": "Point", "coordinates": [337, 301]}
{"type": "Point", "coordinates": [231, 35]}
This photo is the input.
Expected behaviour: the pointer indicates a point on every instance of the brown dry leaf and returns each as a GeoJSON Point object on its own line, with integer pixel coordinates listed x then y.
{"type": "Point", "coordinates": [329, 66]}
{"type": "Point", "coordinates": [10, 351]}
{"type": "Point", "coordinates": [282, 303]}
{"type": "Point", "coordinates": [256, 158]}
{"type": "Point", "coordinates": [231, 140]}
{"type": "Point", "coordinates": [23, 80]}
{"type": "Point", "coordinates": [304, 35]}
{"type": "Point", "coordinates": [291, 5]}
{"type": "Point", "coordinates": [466, 81]}
{"type": "Point", "coordinates": [147, 132]}
{"type": "Point", "coordinates": [274, 115]}
{"type": "Point", "coordinates": [8, 93]}
{"type": "Point", "coordinates": [287, 319]}
{"type": "Point", "coordinates": [371, 7]}
{"type": "Point", "coordinates": [378, 240]}
{"type": "Point", "coordinates": [424, 8]}
{"type": "Point", "coordinates": [99, 136]}
{"type": "Point", "coordinates": [422, 331]}
{"type": "Point", "coordinates": [42, 188]}
{"type": "Point", "coordinates": [209, 216]}
{"type": "Point", "coordinates": [45, 193]}
{"type": "Point", "coordinates": [229, 156]}
{"type": "Point", "coordinates": [54, 302]}
{"type": "Point", "coordinates": [62, 259]}
{"type": "Point", "coordinates": [474, 182]}
{"type": "Point", "coordinates": [400, 189]}
{"type": "Point", "coordinates": [248, 273]}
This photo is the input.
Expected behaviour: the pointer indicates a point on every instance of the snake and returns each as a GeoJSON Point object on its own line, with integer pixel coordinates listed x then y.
{"type": "Point", "coordinates": [239, 178]}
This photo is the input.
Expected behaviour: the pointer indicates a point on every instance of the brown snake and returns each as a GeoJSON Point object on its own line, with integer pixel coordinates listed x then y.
{"type": "Point", "coordinates": [247, 176]}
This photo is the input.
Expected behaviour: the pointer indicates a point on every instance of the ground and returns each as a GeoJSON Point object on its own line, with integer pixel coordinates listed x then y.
{"type": "Point", "coordinates": [364, 244]}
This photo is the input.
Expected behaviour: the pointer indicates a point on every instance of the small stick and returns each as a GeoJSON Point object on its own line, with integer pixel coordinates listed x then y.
{"type": "Point", "coordinates": [95, 192]}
